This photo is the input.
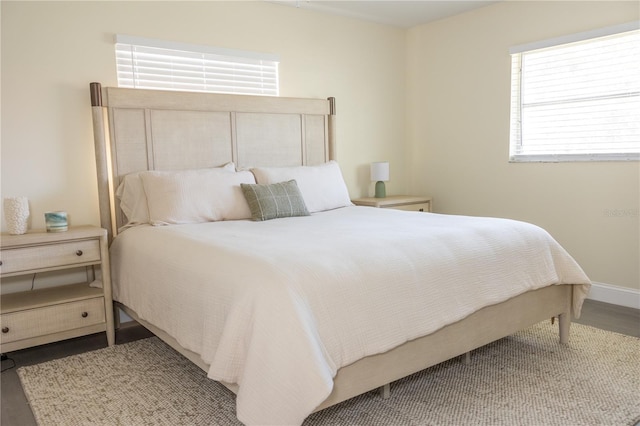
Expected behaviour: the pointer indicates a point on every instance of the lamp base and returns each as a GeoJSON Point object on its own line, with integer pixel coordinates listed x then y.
{"type": "Point", "coordinates": [381, 191]}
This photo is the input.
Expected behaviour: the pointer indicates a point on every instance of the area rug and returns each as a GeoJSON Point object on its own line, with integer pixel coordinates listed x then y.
{"type": "Point", "coordinates": [525, 379]}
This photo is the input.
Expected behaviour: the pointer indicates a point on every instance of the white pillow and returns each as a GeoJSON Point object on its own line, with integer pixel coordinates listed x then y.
{"type": "Point", "coordinates": [322, 186]}
{"type": "Point", "coordinates": [194, 196]}
{"type": "Point", "coordinates": [133, 200]}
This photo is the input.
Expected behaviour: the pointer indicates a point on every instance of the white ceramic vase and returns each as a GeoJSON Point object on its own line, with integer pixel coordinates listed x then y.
{"type": "Point", "coordinates": [16, 213]}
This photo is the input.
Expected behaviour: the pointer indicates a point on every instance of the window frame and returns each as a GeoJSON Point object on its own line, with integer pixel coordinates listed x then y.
{"type": "Point", "coordinates": [193, 67]}
{"type": "Point", "coordinates": [516, 153]}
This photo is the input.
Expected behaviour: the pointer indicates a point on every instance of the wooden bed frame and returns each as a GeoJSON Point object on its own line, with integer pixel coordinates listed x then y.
{"type": "Point", "coordinates": [138, 130]}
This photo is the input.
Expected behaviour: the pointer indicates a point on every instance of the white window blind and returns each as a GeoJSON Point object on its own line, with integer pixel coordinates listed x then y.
{"type": "Point", "coordinates": [578, 100]}
{"type": "Point", "coordinates": [156, 64]}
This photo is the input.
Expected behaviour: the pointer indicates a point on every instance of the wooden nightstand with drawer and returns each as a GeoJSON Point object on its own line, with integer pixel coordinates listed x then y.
{"type": "Point", "coordinates": [398, 202]}
{"type": "Point", "coordinates": [40, 316]}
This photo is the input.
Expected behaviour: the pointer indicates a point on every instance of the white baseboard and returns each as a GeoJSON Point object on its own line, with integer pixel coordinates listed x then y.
{"type": "Point", "coordinates": [615, 295]}
{"type": "Point", "coordinates": [124, 317]}
{"type": "Point", "coordinates": [599, 291]}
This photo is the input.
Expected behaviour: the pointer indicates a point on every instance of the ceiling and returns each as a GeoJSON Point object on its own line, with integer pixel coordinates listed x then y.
{"type": "Point", "coordinates": [403, 14]}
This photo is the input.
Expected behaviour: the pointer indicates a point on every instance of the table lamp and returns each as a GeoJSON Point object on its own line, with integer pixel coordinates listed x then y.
{"type": "Point", "coordinates": [380, 174]}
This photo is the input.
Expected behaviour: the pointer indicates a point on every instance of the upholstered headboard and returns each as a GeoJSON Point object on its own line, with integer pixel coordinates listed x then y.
{"type": "Point", "coordinates": [137, 129]}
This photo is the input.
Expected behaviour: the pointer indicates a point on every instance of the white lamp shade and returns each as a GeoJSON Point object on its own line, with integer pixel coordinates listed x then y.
{"type": "Point", "coordinates": [380, 171]}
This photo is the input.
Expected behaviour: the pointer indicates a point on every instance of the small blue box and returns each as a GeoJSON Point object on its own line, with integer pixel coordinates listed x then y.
{"type": "Point", "coordinates": [56, 221]}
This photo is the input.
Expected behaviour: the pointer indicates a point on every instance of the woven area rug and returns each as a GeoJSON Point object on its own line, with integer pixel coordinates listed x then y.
{"type": "Point", "coordinates": [525, 379]}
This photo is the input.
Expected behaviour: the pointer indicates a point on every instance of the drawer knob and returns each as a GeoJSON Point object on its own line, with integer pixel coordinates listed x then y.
{"type": "Point", "coordinates": [85, 314]}
{"type": "Point", "coordinates": [0, 262]}
{"type": "Point", "coordinates": [5, 329]}
{"type": "Point", "coordinates": [78, 252]}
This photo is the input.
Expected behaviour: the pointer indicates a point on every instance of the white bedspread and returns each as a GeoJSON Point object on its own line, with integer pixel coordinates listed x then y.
{"type": "Point", "coordinates": [278, 306]}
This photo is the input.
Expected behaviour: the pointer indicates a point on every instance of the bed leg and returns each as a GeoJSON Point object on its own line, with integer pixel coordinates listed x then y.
{"type": "Point", "coordinates": [385, 391]}
{"type": "Point", "coordinates": [564, 323]}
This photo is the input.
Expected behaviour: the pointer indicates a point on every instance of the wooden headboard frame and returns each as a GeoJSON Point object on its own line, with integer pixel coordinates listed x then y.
{"type": "Point", "coordinates": [137, 130]}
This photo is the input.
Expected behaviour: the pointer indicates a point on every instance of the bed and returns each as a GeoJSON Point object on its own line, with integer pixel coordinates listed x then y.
{"type": "Point", "coordinates": [296, 308]}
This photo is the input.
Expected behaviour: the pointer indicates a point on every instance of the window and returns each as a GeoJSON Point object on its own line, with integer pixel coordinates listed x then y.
{"type": "Point", "coordinates": [156, 64]}
{"type": "Point", "coordinates": [577, 98]}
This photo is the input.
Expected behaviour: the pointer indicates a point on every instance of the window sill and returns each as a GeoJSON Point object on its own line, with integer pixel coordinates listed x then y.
{"type": "Point", "coordinates": [566, 158]}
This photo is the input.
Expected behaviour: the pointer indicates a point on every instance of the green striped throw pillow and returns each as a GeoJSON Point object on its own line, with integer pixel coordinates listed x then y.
{"type": "Point", "coordinates": [276, 200]}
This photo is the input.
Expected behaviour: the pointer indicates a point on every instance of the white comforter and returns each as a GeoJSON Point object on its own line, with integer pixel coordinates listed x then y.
{"type": "Point", "coordinates": [278, 306]}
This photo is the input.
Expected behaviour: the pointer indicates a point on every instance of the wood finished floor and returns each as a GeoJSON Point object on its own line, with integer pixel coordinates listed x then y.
{"type": "Point", "coordinates": [16, 412]}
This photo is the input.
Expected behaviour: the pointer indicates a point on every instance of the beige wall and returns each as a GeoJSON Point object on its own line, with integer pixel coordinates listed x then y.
{"type": "Point", "coordinates": [434, 101]}
{"type": "Point", "coordinates": [458, 133]}
{"type": "Point", "coordinates": [51, 51]}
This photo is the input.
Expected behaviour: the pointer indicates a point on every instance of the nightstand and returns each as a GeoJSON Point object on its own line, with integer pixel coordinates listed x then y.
{"type": "Point", "coordinates": [398, 202]}
{"type": "Point", "coordinates": [36, 317]}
